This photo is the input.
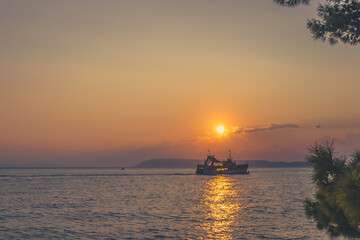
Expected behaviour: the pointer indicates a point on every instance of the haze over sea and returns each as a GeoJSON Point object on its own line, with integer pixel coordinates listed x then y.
{"type": "Point", "coordinates": [154, 204]}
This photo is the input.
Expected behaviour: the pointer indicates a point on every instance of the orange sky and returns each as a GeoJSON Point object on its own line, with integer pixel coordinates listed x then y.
{"type": "Point", "coordinates": [142, 79]}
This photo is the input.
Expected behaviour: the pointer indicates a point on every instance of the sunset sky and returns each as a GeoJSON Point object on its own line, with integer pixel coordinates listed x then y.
{"type": "Point", "coordinates": [113, 83]}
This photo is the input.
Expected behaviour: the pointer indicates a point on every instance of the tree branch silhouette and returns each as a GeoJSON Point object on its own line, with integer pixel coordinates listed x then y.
{"type": "Point", "coordinates": [337, 21]}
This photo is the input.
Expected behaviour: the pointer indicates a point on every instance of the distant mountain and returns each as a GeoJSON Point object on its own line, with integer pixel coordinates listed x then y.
{"type": "Point", "coordinates": [191, 163]}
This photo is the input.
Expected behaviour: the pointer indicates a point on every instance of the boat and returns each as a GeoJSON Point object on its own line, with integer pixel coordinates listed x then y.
{"type": "Point", "coordinates": [212, 166]}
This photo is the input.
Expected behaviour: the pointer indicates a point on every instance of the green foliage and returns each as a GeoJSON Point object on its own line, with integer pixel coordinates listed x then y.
{"type": "Point", "coordinates": [347, 191]}
{"type": "Point", "coordinates": [292, 3]}
{"type": "Point", "coordinates": [336, 205]}
{"type": "Point", "coordinates": [338, 20]}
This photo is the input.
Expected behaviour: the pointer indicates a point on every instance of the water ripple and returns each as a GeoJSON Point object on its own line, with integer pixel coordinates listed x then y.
{"type": "Point", "coordinates": [154, 204]}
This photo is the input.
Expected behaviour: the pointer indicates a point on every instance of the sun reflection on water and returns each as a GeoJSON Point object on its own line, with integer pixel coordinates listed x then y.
{"type": "Point", "coordinates": [222, 205]}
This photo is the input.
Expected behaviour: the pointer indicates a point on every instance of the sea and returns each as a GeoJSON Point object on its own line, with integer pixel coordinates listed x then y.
{"type": "Point", "coordinates": [111, 203]}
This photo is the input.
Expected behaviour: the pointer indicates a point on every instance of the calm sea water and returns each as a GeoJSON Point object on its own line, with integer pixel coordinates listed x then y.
{"type": "Point", "coordinates": [154, 204]}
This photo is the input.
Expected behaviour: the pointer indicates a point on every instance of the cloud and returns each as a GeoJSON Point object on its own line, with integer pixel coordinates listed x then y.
{"type": "Point", "coordinates": [240, 132]}
{"type": "Point", "coordinates": [272, 126]}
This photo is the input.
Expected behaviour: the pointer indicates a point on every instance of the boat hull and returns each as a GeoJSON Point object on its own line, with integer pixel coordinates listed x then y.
{"type": "Point", "coordinates": [214, 170]}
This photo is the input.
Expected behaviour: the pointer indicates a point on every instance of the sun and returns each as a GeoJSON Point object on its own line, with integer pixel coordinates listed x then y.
{"type": "Point", "coordinates": [220, 129]}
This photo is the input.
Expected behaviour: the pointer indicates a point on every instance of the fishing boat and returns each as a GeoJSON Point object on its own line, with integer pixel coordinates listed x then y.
{"type": "Point", "coordinates": [212, 166]}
